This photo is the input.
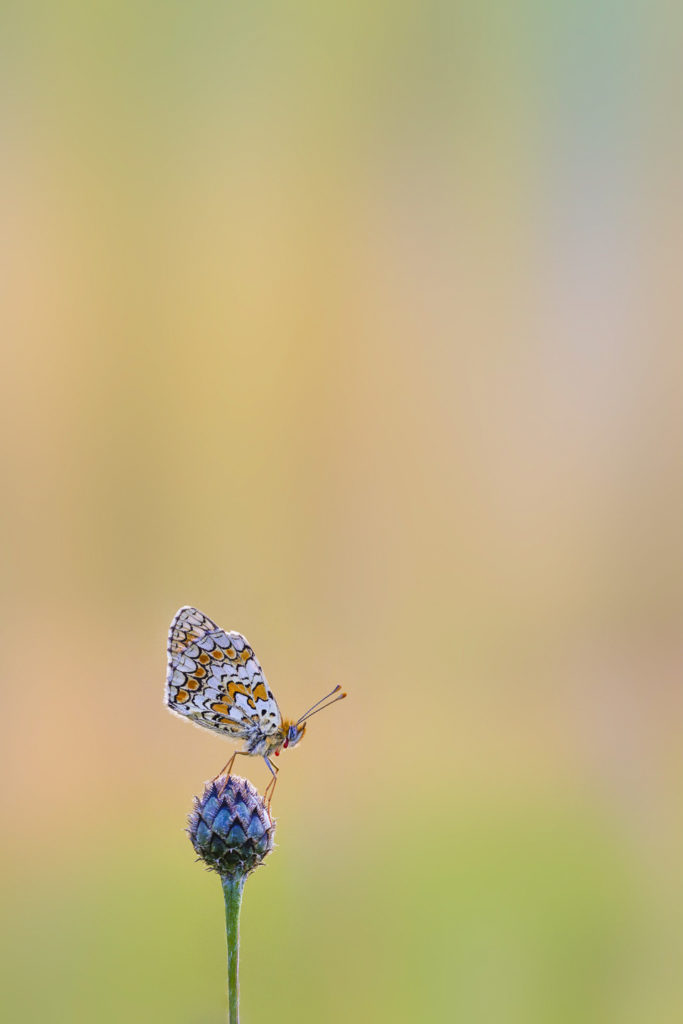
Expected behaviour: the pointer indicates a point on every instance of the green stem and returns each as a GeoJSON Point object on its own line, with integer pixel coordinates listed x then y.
{"type": "Point", "coordinates": [232, 892]}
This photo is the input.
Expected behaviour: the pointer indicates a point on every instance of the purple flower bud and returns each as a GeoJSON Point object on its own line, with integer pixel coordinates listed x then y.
{"type": "Point", "coordinates": [230, 827]}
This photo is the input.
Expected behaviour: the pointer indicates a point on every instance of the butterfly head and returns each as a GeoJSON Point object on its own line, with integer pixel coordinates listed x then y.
{"type": "Point", "coordinates": [294, 730]}
{"type": "Point", "coordinates": [290, 733]}
{"type": "Point", "coordinates": [293, 733]}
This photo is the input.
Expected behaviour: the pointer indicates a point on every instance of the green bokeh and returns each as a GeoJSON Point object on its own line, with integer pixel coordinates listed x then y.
{"type": "Point", "coordinates": [492, 917]}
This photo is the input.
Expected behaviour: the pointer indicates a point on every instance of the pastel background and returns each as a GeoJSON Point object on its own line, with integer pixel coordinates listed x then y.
{"type": "Point", "coordinates": [359, 327]}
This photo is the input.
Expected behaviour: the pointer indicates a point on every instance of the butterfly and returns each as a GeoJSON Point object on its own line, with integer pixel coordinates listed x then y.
{"type": "Point", "coordinates": [215, 680]}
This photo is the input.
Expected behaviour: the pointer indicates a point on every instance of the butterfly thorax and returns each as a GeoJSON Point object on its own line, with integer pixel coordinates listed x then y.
{"type": "Point", "coordinates": [259, 745]}
{"type": "Point", "coordinates": [286, 735]}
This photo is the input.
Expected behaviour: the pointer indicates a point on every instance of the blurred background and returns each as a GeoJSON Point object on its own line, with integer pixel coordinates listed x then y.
{"type": "Point", "coordinates": [358, 327]}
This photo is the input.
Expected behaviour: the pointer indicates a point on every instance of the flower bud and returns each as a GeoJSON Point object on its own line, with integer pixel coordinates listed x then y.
{"type": "Point", "coordinates": [230, 827]}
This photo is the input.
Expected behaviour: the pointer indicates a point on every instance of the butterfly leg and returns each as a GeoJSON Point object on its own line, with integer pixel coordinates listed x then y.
{"type": "Point", "coordinates": [226, 770]}
{"type": "Point", "coordinates": [270, 788]}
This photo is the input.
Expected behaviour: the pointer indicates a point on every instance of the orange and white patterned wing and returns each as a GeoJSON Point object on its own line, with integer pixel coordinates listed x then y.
{"type": "Point", "coordinates": [215, 680]}
{"type": "Point", "coordinates": [188, 625]}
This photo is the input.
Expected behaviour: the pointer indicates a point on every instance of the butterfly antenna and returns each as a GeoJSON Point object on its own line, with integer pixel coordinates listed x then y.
{"type": "Point", "coordinates": [312, 710]}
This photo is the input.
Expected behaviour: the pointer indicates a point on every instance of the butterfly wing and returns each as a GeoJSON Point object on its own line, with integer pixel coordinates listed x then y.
{"type": "Point", "coordinates": [188, 625]}
{"type": "Point", "coordinates": [215, 680]}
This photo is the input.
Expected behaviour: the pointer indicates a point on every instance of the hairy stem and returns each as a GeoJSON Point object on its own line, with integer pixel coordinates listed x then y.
{"type": "Point", "coordinates": [232, 892]}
